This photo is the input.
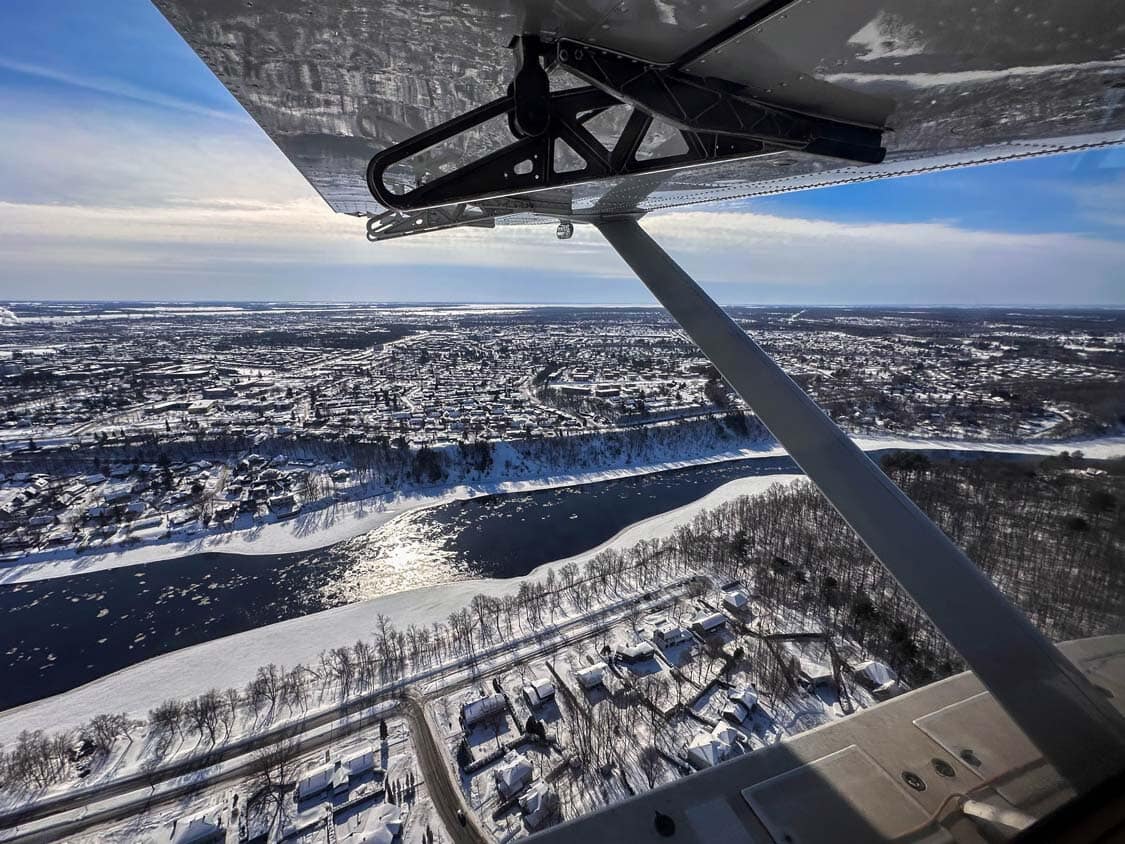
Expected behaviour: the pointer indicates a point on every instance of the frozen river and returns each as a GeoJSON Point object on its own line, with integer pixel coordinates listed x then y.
{"type": "Point", "coordinates": [62, 632]}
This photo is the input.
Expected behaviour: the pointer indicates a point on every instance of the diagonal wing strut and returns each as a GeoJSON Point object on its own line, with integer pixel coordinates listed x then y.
{"type": "Point", "coordinates": [1059, 710]}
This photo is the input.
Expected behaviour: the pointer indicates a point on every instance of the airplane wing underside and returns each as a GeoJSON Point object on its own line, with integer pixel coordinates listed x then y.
{"type": "Point", "coordinates": [953, 83]}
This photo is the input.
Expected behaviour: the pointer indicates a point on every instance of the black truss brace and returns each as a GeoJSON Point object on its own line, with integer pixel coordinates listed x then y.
{"type": "Point", "coordinates": [705, 104]}
{"type": "Point", "coordinates": [717, 120]}
{"type": "Point", "coordinates": [529, 164]}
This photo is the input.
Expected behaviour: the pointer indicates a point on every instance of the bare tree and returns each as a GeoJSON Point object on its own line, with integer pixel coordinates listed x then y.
{"type": "Point", "coordinates": [273, 771]}
{"type": "Point", "coordinates": [104, 730]}
{"type": "Point", "coordinates": [651, 763]}
{"type": "Point", "coordinates": [165, 720]}
{"type": "Point", "coordinates": [294, 689]}
{"type": "Point", "coordinates": [210, 713]}
{"type": "Point", "coordinates": [32, 759]}
{"type": "Point", "coordinates": [228, 712]}
{"type": "Point", "coordinates": [343, 669]}
{"type": "Point", "coordinates": [364, 657]}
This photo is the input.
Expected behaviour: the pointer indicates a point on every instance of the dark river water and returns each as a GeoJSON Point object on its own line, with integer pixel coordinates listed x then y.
{"type": "Point", "coordinates": [60, 633]}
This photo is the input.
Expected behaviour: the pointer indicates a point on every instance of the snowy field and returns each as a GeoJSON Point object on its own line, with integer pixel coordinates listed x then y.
{"type": "Point", "coordinates": [348, 519]}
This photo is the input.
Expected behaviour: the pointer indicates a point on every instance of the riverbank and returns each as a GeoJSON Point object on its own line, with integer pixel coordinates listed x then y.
{"type": "Point", "coordinates": [233, 660]}
{"type": "Point", "coordinates": [348, 519]}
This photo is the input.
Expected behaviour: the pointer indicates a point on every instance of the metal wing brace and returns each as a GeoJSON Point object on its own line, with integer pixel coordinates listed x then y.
{"type": "Point", "coordinates": [717, 120]}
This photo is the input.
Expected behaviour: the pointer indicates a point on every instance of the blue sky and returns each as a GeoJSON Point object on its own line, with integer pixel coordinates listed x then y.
{"type": "Point", "coordinates": [128, 171]}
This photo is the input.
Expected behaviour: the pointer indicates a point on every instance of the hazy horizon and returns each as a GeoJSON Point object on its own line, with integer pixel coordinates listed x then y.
{"type": "Point", "coordinates": [470, 303]}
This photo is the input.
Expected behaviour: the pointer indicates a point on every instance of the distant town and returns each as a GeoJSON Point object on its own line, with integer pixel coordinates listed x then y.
{"type": "Point", "coordinates": [130, 423]}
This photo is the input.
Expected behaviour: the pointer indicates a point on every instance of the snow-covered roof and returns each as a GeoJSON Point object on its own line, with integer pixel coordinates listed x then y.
{"type": "Point", "coordinates": [889, 689]}
{"type": "Point", "coordinates": [709, 621]}
{"type": "Point", "coordinates": [736, 598]}
{"type": "Point", "coordinates": [745, 696]}
{"type": "Point", "coordinates": [874, 674]}
{"type": "Point", "coordinates": [534, 798]}
{"type": "Point", "coordinates": [636, 650]}
{"type": "Point", "coordinates": [359, 761]}
{"type": "Point", "coordinates": [315, 780]}
{"type": "Point", "coordinates": [725, 733]}
{"type": "Point", "coordinates": [538, 690]}
{"type": "Point", "coordinates": [591, 675]}
{"type": "Point", "coordinates": [711, 748]}
{"type": "Point", "coordinates": [735, 712]}
{"type": "Point", "coordinates": [485, 707]}
{"type": "Point", "coordinates": [672, 633]}
{"type": "Point", "coordinates": [383, 825]}
{"type": "Point", "coordinates": [814, 671]}
{"type": "Point", "coordinates": [200, 826]}
{"type": "Point", "coordinates": [536, 803]}
{"type": "Point", "coordinates": [705, 752]}
{"type": "Point", "coordinates": [512, 774]}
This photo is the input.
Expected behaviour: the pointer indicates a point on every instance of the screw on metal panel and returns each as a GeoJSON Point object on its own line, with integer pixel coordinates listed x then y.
{"type": "Point", "coordinates": [943, 768]}
{"type": "Point", "coordinates": [665, 826]}
{"type": "Point", "coordinates": [970, 757]}
{"type": "Point", "coordinates": [913, 780]}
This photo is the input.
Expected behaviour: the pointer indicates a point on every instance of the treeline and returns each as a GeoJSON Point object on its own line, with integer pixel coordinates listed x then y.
{"type": "Point", "coordinates": [390, 462]}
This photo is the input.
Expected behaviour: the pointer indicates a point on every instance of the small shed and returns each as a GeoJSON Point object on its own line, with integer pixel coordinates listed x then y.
{"type": "Point", "coordinates": [482, 709]}
{"type": "Point", "coordinates": [539, 691]}
{"type": "Point", "coordinates": [708, 623]}
{"type": "Point", "coordinates": [592, 675]}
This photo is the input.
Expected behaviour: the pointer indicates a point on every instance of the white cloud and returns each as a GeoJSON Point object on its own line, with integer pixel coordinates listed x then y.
{"type": "Point", "coordinates": [83, 195]}
{"type": "Point", "coordinates": [816, 260]}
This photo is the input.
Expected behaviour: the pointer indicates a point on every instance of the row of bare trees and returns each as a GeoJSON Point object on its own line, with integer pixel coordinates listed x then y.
{"type": "Point", "coordinates": [343, 672]}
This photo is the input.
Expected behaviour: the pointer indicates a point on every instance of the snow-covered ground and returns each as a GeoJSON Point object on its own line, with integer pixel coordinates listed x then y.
{"type": "Point", "coordinates": [347, 519]}
{"type": "Point", "coordinates": [232, 661]}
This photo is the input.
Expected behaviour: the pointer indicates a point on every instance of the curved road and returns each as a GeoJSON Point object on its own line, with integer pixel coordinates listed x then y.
{"type": "Point", "coordinates": [444, 791]}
